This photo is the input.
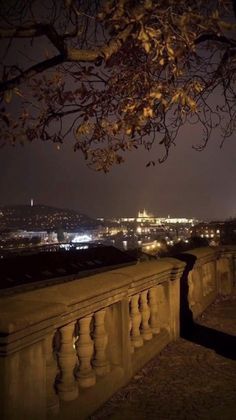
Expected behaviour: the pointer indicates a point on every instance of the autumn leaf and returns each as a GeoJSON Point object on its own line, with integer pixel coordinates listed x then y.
{"type": "Point", "coordinates": [18, 92]}
{"type": "Point", "coordinates": [147, 46]}
{"type": "Point", "coordinates": [156, 95]}
{"type": "Point", "coordinates": [8, 96]}
{"type": "Point", "coordinates": [147, 112]}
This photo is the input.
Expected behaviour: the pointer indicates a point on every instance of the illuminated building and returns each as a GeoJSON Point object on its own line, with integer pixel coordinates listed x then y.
{"type": "Point", "coordinates": [145, 217]}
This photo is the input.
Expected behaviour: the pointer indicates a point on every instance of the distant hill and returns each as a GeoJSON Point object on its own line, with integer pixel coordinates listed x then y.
{"type": "Point", "coordinates": [41, 217]}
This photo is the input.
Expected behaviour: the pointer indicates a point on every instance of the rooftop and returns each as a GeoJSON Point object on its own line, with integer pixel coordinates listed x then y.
{"type": "Point", "coordinates": [30, 271]}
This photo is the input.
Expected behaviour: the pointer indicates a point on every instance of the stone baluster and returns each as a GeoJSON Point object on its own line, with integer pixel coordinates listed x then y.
{"type": "Point", "coordinates": [130, 328]}
{"type": "Point", "coordinates": [145, 313]}
{"type": "Point", "coordinates": [135, 315]}
{"type": "Point", "coordinates": [84, 345]}
{"type": "Point", "coordinates": [163, 304]}
{"type": "Point", "coordinates": [51, 373]}
{"type": "Point", "coordinates": [67, 359]}
{"type": "Point", "coordinates": [154, 319]}
{"type": "Point", "coordinates": [100, 362]}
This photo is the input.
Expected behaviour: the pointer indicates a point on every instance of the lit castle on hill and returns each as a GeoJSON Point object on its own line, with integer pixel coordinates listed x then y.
{"type": "Point", "coordinates": [144, 216]}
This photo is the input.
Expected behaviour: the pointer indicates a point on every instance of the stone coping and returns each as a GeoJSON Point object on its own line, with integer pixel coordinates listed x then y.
{"type": "Point", "coordinates": [39, 310]}
{"type": "Point", "coordinates": [203, 252]}
{"type": "Point", "coordinates": [206, 251]}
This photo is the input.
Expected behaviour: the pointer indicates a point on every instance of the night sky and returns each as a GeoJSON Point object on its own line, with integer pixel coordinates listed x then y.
{"type": "Point", "coordinates": [189, 183]}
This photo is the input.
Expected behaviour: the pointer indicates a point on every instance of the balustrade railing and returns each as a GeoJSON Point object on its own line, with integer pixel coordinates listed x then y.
{"type": "Point", "coordinates": [91, 335]}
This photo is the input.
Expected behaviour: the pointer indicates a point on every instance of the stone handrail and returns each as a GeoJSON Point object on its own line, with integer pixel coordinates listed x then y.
{"type": "Point", "coordinates": [65, 349]}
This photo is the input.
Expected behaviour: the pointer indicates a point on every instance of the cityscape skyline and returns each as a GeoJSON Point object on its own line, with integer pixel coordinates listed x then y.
{"type": "Point", "coordinates": [188, 184]}
{"type": "Point", "coordinates": [125, 217]}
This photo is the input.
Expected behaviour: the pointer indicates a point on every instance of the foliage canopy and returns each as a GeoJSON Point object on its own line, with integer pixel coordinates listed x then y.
{"type": "Point", "coordinates": [116, 74]}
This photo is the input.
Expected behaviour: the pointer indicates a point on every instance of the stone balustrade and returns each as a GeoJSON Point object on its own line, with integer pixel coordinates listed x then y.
{"type": "Point", "coordinates": [65, 349]}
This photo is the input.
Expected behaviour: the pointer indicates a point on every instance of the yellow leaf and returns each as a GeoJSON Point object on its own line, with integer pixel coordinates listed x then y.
{"type": "Point", "coordinates": [215, 14]}
{"type": "Point", "coordinates": [170, 51]}
{"type": "Point", "coordinates": [226, 25]}
{"type": "Point", "coordinates": [162, 61]}
{"type": "Point", "coordinates": [175, 98]}
{"type": "Point", "coordinates": [147, 46]}
{"type": "Point", "coordinates": [84, 128]}
{"type": "Point", "coordinates": [143, 36]}
{"type": "Point", "coordinates": [191, 103]}
{"type": "Point", "coordinates": [198, 87]}
{"type": "Point", "coordinates": [129, 107]}
{"type": "Point", "coordinates": [148, 4]}
{"type": "Point", "coordinates": [151, 32]}
{"type": "Point", "coordinates": [8, 96]}
{"type": "Point", "coordinates": [18, 92]}
{"type": "Point", "coordinates": [156, 95]}
{"type": "Point", "coordinates": [147, 112]}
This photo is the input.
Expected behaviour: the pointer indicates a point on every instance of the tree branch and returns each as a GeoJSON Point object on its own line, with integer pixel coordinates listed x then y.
{"type": "Point", "coordinates": [31, 72]}
{"type": "Point", "coordinates": [33, 31]}
{"type": "Point", "coordinates": [72, 54]}
{"type": "Point", "coordinates": [234, 7]}
{"type": "Point", "coordinates": [214, 37]}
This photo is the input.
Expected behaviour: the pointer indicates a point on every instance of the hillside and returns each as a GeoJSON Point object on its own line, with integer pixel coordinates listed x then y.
{"type": "Point", "coordinates": [41, 217]}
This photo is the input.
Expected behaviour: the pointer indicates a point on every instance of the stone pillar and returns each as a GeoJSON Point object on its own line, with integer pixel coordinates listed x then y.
{"type": "Point", "coordinates": [225, 275]}
{"type": "Point", "coordinates": [130, 329]}
{"type": "Point", "coordinates": [145, 313]}
{"type": "Point", "coordinates": [163, 305]}
{"type": "Point", "coordinates": [122, 336]}
{"type": "Point", "coordinates": [100, 362]}
{"type": "Point", "coordinates": [154, 321]}
{"type": "Point", "coordinates": [51, 372]}
{"type": "Point", "coordinates": [174, 306]}
{"type": "Point", "coordinates": [208, 278]}
{"type": "Point", "coordinates": [84, 345]}
{"type": "Point", "coordinates": [67, 386]}
{"type": "Point", "coordinates": [191, 290]}
{"type": "Point", "coordinates": [198, 290]}
{"type": "Point", "coordinates": [136, 318]}
{"type": "Point", "coordinates": [23, 384]}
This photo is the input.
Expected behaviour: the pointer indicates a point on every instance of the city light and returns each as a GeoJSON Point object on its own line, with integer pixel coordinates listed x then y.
{"type": "Point", "coordinates": [82, 238]}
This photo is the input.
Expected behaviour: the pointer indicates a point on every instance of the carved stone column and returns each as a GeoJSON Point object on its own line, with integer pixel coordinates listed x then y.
{"type": "Point", "coordinates": [154, 320]}
{"type": "Point", "coordinates": [135, 315]}
{"type": "Point", "coordinates": [130, 329]}
{"type": "Point", "coordinates": [163, 305]}
{"type": "Point", "coordinates": [67, 386]}
{"type": "Point", "coordinates": [145, 313]}
{"type": "Point", "coordinates": [84, 345]}
{"type": "Point", "coordinates": [51, 372]}
{"type": "Point", "coordinates": [100, 362]}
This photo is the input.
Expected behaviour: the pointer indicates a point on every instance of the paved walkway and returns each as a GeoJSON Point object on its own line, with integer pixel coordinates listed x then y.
{"type": "Point", "coordinates": [187, 380]}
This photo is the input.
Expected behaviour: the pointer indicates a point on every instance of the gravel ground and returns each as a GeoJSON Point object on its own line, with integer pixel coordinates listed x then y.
{"type": "Point", "coordinates": [186, 380]}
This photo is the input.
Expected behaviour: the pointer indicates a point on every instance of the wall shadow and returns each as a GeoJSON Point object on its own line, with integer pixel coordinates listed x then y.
{"type": "Point", "coordinates": [222, 343]}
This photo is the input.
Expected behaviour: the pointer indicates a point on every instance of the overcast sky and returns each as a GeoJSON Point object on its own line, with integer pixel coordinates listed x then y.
{"type": "Point", "coordinates": [189, 183]}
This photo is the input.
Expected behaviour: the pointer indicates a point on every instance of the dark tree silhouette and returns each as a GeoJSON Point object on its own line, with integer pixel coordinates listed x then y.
{"type": "Point", "coordinates": [116, 75]}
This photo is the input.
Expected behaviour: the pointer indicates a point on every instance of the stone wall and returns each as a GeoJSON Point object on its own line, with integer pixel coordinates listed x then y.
{"type": "Point", "coordinates": [67, 348]}
{"type": "Point", "coordinates": [213, 273]}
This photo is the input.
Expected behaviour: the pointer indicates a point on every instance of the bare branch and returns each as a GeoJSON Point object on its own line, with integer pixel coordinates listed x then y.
{"type": "Point", "coordinates": [215, 38]}
{"type": "Point", "coordinates": [34, 31]}
{"type": "Point", "coordinates": [31, 72]}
